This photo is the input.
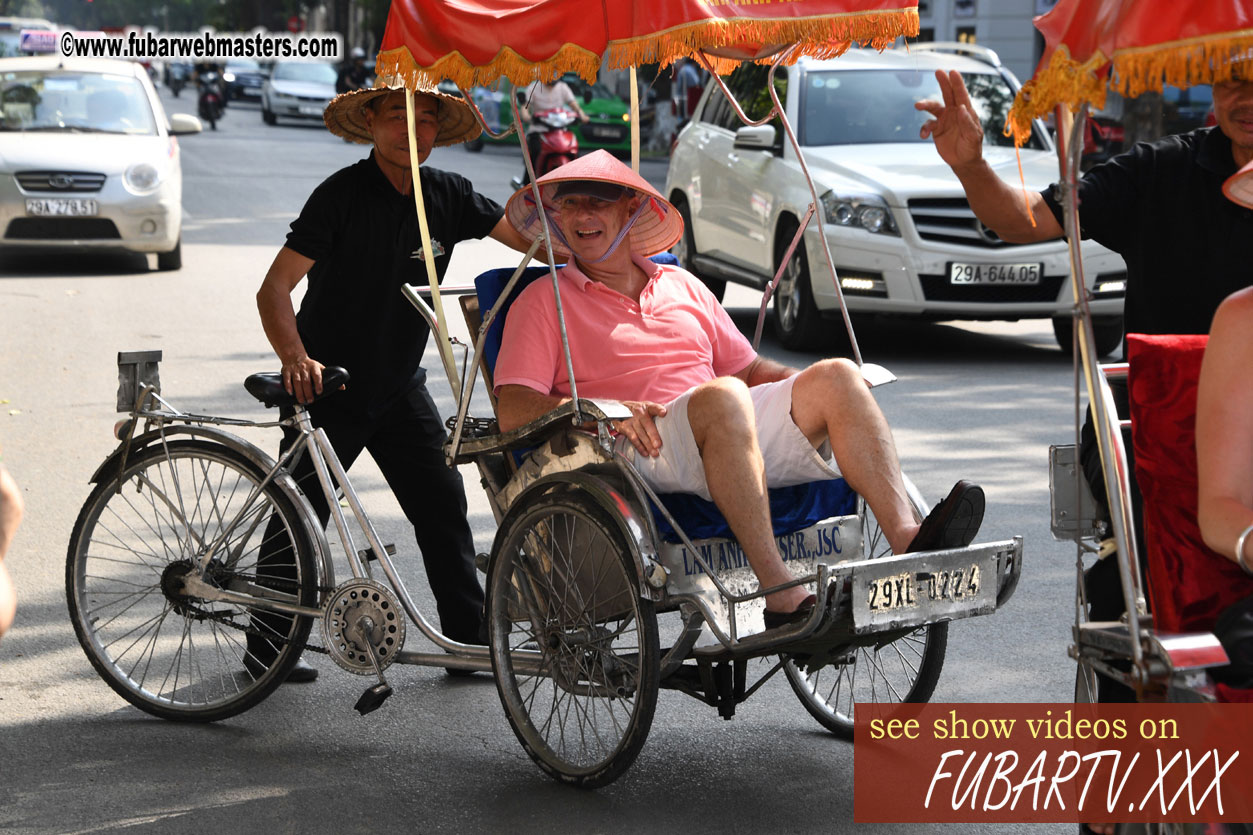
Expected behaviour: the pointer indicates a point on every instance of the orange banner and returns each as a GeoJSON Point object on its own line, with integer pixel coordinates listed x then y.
{"type": "Point", "coordinates": [1054, 763]}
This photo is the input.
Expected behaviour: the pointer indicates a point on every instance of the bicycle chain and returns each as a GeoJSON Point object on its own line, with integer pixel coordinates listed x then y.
{"type": "Point", "coordinates": [249, 630]}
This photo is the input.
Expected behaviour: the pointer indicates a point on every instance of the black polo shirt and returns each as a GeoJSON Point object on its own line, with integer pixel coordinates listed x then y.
{"type": "Point", "coordinates": [362, 235]}
{"type": "Point", "coordinates": [1161, 207]}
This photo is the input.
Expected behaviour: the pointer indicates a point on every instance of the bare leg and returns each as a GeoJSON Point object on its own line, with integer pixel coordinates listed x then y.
{"type": "Point", "coordinates": [831, 401]}
{"type": "Point", "coordinates": [721, 416]}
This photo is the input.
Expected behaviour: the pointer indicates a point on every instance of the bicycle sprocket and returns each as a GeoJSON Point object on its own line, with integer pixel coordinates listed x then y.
{"type": "Point", "coordinates": [359, 614]}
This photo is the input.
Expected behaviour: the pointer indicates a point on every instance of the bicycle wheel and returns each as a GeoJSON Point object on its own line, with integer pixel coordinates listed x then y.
{"type": "Point", "coordinates": [574, 646]}
{"type": "Point", "coordinates": [904, 668]}
{"type": "Point", "coordinates": [175, 656]}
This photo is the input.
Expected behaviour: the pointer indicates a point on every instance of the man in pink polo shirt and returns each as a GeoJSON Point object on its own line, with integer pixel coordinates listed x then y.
{"type": "Point", "coordinates": [709, 416]}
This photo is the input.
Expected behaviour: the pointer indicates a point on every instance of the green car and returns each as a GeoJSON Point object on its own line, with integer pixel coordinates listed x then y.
{"type": "Point", "coordinates": [609, 117]}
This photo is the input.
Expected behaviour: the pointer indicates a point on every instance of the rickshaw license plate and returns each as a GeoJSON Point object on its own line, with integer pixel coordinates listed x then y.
{"type": "Point", "coordinates": [994, 273]}
{"type": "Point", "coordinates": [60, 206]}
{"type": "Point", "coordinates": [915, 591]}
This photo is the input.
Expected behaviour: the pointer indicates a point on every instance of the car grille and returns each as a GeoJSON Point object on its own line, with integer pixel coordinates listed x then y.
{"type": "Point", "coordinates": [60, 182]}
{"type": "Point", "coordinates": [61, 229]}
{"type": "Point", "coordinates": [950, 220]}
{"type": "Point", "coordinates": [937, 288]}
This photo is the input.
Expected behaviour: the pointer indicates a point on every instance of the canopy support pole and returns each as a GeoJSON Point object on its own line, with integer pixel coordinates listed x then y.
{"type": "Point", "coordinates": [635, 122]}
{"type": "Point", "coordinates": [478, 117]}
{"type": "Point", "coordinates": [552, 268]}
{"type": "Point", "coordinates": [442, 341]}
{"type": "Point", "coordinates": [874, 375]}
{"type": "Point", "coordinates": [1104, 418]}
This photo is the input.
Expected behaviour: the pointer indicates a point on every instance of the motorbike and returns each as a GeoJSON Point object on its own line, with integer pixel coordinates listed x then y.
{"type": "Point", "coordinates": [212, 98]}
{"type": "Point", "coordinates": [558, 144]}
{"type": "Point", "coordinates": [176, 78]}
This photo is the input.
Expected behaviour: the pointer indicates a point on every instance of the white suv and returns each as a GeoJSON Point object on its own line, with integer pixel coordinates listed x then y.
{"type": "Point", "coordinates": [902, 234]}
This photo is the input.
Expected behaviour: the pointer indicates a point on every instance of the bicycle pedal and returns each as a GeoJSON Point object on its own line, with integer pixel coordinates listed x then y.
{"type": "Point", "coordinates": [368, 554]}
{"type": "Point", "coordinates": [372, 699]}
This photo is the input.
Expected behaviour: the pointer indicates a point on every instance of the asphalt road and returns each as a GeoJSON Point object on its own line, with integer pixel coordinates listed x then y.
{"type": "Point", "coordinates": [976, 401]}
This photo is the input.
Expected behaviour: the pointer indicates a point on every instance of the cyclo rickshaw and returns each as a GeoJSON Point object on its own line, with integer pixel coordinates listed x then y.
{"type": "Point", "coordinates": [599, 591]}
{"type": "Point", "coordinates": [1160, 655]}
{"type": "Point", "coordinates": [1164, 652]}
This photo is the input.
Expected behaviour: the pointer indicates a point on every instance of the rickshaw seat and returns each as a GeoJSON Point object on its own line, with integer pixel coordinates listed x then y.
{"type": "Point", "coordinates": [791, 508]}
{"type": "Point", "coordinates": [1189, 584]}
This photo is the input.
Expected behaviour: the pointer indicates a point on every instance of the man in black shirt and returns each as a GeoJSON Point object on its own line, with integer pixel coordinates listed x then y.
{"type": "Point", "coordinates": [1159, 205]}
{"type": "Point", "coordinates": [357, 239]}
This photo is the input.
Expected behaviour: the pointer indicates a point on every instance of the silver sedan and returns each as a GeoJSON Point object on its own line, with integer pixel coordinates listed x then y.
{"type": "Point", "coordinates": [89, 158]}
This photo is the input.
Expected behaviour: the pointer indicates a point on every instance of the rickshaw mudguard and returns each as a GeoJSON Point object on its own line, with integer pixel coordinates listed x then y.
{"type": "Point", "coordinates": [111, 467]}
{"type": "Point", "coordinates": [626, 519]}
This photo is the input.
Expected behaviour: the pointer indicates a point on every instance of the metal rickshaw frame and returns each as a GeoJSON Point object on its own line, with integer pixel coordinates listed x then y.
{"type": "Point", "coordinates": [583, 476]}
{"type": "Point", "coordinates": [834, 586]}
{"type": "Point", "coordinates": [1156, 665]}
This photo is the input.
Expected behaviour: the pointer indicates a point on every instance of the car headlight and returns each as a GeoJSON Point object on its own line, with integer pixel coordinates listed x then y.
{"type": "Point", "coordinates": [228, 77]}
{"type": "Point", "coordinates": [143, 176]}
{"type": "Point", "coordinates": [864, 211]}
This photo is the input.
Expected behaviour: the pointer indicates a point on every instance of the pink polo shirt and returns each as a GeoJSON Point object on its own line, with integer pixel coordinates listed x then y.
{"type": "Point", "coordinates": [676, 337]}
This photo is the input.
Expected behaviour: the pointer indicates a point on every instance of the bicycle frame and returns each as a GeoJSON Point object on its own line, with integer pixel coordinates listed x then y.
{"type": "Point", "coordinates": [332, 479]}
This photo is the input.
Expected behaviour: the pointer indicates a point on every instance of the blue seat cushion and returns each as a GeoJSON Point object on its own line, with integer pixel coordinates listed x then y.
{"type": "Point", "coordinates": [791, 509]}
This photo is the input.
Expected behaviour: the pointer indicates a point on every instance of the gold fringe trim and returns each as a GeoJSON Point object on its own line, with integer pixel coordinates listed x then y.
{"type": "Point", "coordinates": [1206, 60]}
{"type": "Point", "coordinates": [823, 36]}
{"type": "Point", "coordinates": [397, 66]}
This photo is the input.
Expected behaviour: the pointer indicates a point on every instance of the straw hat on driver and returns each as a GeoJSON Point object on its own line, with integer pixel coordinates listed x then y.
{"type": "Point", "coordinates": [656, 230]}
{"type": "Point", "coordinates": [345, 115]}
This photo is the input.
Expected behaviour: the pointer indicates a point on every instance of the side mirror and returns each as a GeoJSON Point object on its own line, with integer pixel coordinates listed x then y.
{"type": "Point", "coordinates": [182, 124]}
{"type": "Point", "coordinates": [759, 138]}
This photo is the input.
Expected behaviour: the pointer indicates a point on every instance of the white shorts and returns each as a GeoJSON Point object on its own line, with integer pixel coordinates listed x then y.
{"type": "Point", "coordinates": [790, 458]}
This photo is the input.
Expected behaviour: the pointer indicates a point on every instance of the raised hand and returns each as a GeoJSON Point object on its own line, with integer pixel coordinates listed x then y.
{"type": "Point", "coordinates": [955, 128]}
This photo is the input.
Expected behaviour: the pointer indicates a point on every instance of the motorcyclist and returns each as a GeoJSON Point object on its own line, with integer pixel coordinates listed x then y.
{"type": "Point", "coordinates": [204, 68]}
{"type": "Point", "coordinates": [353, 74]}
{"type": "Point", "coordinates": [541, 96]}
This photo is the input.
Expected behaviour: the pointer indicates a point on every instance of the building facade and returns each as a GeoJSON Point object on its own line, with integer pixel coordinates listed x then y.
{"type": "Point", "coordinates": [1001, 25]}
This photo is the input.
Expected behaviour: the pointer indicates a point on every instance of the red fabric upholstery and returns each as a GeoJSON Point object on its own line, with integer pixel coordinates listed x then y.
{"type": "Point", "coordinates": [1188, 583]}
{"type": "Point", "coordinates": [1230, 694]}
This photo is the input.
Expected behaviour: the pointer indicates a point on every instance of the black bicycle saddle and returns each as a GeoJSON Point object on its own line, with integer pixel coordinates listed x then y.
{"type": "Point", "coordinates": [267, 386]}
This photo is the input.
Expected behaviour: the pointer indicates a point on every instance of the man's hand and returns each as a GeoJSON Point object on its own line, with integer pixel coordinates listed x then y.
{"type": "Point", "coordinates": [956, 128]}
{"type": "Point", "coordinates": [640, 429]}
{"type": "Point", "coordinates": [302, 378]}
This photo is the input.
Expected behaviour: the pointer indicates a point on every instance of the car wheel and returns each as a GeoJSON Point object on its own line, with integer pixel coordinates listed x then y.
{"type": "Point", "coordinates": [797, 322]}
{"type": "Point", "coordinates": [685, 251]}
{"type": "Point", "coordinates": [1107, 331]}
{"type": "Point", "coordinates": [172, 260]}
{"type": "Point", "coordinates": [474, 145]}
{"type": "Point", "coordinates": [267, 115]}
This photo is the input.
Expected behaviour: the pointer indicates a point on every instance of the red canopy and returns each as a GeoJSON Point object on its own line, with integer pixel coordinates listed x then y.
{"type": "Point", "coordinates": [478, 41]}
{"type": "Point", "coordinates": [1132, 46]}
